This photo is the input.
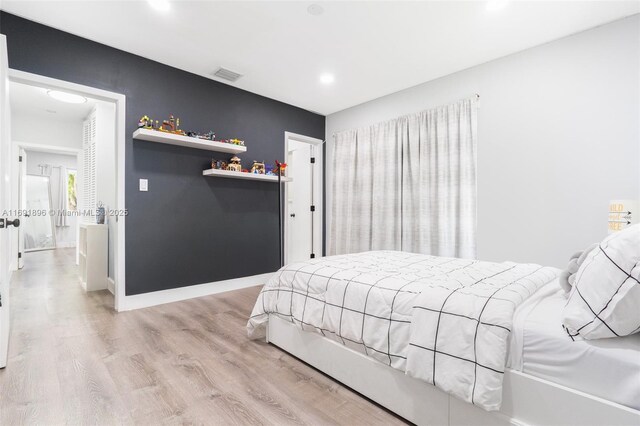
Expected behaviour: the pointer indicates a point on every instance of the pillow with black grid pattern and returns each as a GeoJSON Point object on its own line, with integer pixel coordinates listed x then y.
{"type": "Point", "coordinates": [605, 298]}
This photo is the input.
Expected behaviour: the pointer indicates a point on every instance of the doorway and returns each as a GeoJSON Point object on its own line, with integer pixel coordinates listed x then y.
{"type": "Point", "coordinates": [69, 137]}
{"type": "Point", "coordinates": [34, 134]}
{"type": "Point", "coordinates": [303, 198]}
{"type": "Point", "coordinates": [48, 195]}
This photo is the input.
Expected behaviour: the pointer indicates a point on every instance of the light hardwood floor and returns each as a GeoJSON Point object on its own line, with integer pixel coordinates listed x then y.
{"type": "Point", "coordinates": [73, 360]}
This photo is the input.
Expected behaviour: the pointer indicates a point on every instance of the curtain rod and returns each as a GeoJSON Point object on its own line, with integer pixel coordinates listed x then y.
{"type": "Point", "coordinates": [476, 95]}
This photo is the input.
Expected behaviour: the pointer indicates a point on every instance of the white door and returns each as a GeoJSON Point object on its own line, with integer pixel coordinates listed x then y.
{"type": "Point", "coordinates": [299, 214]}
{"type": "Point", "coordinates": [5, 202]}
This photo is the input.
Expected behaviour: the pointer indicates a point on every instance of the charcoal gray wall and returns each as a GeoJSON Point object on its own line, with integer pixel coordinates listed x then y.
{"type": "Point", "coordinates": [187, 229]}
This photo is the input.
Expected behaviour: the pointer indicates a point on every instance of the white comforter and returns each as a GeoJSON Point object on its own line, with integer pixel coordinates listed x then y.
{"type": "Point", "coordinates": [443, 320]}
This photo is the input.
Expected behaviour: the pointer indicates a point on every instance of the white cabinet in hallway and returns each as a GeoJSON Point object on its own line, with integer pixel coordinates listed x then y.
{"type": "Point", "coordinates": [94, 242]}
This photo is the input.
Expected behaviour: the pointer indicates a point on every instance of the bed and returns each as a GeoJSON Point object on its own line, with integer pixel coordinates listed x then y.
{"type": "Point", "coordinates": [605, 368]}
{"type": "Point", "coordinates": [429, 338]}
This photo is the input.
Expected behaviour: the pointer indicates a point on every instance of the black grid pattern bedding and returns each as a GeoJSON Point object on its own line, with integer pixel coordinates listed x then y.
{"type": "Point", "coordinates": [459, 333]}
{"type": "Point", "coordinates": [603, 300]}
{"type": "Point", "coordinates": [369, 301]}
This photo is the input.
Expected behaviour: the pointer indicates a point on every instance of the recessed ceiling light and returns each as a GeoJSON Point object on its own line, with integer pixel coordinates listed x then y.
{"type": "Point", "coordinates": [160, 5]}
{"type": "Point", "coordinates": [66, 97]}
{"type": "Point", "coordinates": [315, 9]}
{"type": "Point", "coordinates": [496, 4]}
{"type": "Point", "coordinates": [327, 78]}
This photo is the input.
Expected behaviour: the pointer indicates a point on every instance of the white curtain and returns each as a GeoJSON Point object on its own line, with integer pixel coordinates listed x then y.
{"type": "Point", "coordinates": [62, 199]}
{"type": "Point", "coordinates": [407, 184]}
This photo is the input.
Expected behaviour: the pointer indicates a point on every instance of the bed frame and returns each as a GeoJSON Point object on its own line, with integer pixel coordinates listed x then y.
{"type": "Point", "coordinates": [526, 399]}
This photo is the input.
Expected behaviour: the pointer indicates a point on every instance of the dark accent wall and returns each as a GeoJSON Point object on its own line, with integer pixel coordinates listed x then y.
{"type": "Point", "coordinates": [187, 229]}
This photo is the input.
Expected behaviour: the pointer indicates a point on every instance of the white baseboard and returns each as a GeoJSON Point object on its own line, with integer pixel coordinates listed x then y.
{"type": "Point", "coordinates": [154, 298]}
{"type": "Point", "coordinates": [111, 285]}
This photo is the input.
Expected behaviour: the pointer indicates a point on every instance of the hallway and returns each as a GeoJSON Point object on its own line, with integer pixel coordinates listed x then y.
{"type": "Point", "coordinates": [51, 321]}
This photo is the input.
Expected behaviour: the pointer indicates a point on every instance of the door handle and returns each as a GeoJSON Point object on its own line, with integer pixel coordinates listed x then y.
{"type": "Point", "coordinates": [292, 215]}
{"type": "Point", "coordinates": [6, 222]}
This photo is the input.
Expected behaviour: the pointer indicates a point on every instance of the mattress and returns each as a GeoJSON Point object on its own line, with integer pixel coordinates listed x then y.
{"type": "Point", "coordinates": [606, 368]}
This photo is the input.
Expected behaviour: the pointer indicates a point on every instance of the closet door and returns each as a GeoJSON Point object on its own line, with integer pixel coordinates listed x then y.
{"type": "Point", "coordinates": [299, 220]}
{"type": "Point", "coordinates": [89, 167]}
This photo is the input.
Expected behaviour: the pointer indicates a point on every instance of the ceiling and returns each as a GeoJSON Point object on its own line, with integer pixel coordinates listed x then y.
{"type": "Point", "coordinates": [34, 102]}
{"type": "Point", "coordinates": [372, 48]}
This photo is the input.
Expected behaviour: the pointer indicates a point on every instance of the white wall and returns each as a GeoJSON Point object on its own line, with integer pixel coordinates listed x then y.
{"type": "Point", "coordinates": [38, 129]}
{"type": "Point", "coordinates": [65, 236]}
{"type": "Point", "coordinates": [559, 136]}
{"type": "Point", "coordinates": [106, 169]}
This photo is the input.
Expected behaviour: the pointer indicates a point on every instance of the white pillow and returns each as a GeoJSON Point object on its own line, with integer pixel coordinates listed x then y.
{"type": "Point", "coordinates": [605, 298]}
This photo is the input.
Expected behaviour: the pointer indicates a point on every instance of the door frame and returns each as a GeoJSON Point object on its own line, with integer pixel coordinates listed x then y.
{"type": "Point", "coordinates": [120, 103]}
{"type": "Point", "coordinates": [16, 147]}
{"type": "Point", "coordinates": [318, 195]}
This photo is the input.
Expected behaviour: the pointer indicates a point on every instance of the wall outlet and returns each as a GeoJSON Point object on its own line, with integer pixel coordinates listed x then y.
{"type": "Point", "coordinates": [144, 185]}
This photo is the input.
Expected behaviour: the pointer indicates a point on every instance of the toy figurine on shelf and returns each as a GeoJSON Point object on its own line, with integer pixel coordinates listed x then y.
{"type": "Point", "coordinates": [280, 168]}
{"type": "Point", "coordinates": [145, 122]}
{"type": "Point", "coordinates": [172, 125]}
{"type": "Point", "coordinates": [210, 136]}
{"type": "Point", "coordinates": [269, 171]}
{"type": "Point", "coordinates": [168, 125]}
{"type": "Point", "coordinates": [178, 130]}
{"type": "Point", "coordinates": [234, 164]}
{"type": "Point", "coordinates": [218, 165]}
{"type": "Point", "coordinates": [258, 168]}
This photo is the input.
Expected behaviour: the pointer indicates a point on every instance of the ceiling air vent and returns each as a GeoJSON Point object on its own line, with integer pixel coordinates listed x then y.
{"type": "Point", "coordinates": [227, 74]}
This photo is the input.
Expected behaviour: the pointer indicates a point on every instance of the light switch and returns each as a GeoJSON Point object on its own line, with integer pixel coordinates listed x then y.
{"type": "Point", "coordinates": [144, 185]}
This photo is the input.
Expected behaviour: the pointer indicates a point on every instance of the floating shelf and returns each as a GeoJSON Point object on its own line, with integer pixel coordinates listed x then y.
{"type": "Point", "coordinates": [242, 175]}
{"type": "Point", "coordinates": [173, 139]}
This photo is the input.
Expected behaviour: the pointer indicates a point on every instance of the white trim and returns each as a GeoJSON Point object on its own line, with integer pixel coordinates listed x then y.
{"type": "Point", "coordinates": [120, 102]}
{"type": "Point", "coordinates": [318, 193]}
{"type": "Point", "coordinates": [161, 297]}
{"type": "Point", "coordinates": [40, 147]}
{"type": "Point", "coordinates": [111, 285]}
{"type": "Point", "coordinates": [526, 399]}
